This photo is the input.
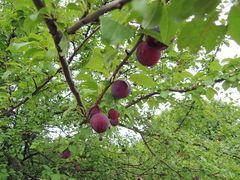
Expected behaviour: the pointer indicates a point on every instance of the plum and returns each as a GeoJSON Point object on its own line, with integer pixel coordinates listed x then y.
{"type": "Point", "coordinates": [94, 110]}
{"type": "Point", "coordinates": [33, 136]}
{"type": "Point", "coordinates": [147, 55]}
{"type": "Point", "coordinates": [99, 122]}
{"type": "Point", "coordinates": [66, 154]}
{"type": "Point", "coordinates": [120, 89]}
{"type": "Point", "coordinates": [154, 43]}
{"type": "Point", "coordinates": [113, 115]}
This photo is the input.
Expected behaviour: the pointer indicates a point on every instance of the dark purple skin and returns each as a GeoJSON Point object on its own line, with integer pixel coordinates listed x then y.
{"type": "Point", "coordinates": [33, 136]}
{"type": "Point", "coordinates": [114, 122]}
{"type": "Point", "coordinates": [113, 115]}
{"type": "Point", "coordinates": [65, 154]}
{"type": "Point", "coordinates": [154, 42]}
{"type": "Point", "coordinates": [147, 55]}
{"type": "Point", "coordinates": [94, 110]}
{"type": "Point", "coordinates": [120, 89]}
{"type": "Point", "coordinates": [99, 122]}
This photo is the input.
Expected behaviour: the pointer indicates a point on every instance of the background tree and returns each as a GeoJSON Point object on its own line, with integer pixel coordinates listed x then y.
{"type": "Point", "coordinates": [59, 59]}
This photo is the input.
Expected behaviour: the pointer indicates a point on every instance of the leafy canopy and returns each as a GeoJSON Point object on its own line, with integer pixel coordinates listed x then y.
{"type": "Point", "coordinates": [59, 57]}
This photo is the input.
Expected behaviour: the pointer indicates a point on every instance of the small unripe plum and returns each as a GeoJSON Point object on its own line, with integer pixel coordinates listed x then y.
{"type": "Point", "coordinates": [99, 122]}
{"type": "Point", "coordinates": [113, 115]}
{"type": "Point", "coordinates": [146, 55]}
{"type": "Point", "coordinates": [120, 89]}
{"type": "Point", "coordinates": [94, 110]}
{"type": "Point", "coordinates": [66, 154]}
{"type": "Point", "coordinates": [154, 42]}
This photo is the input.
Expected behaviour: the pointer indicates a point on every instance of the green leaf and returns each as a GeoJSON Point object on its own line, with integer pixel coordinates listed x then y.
{"type": "Point", "coordinates": [64, 44]}
{"type": "Point", "coordinates": [109, 54]}
{"type": "Point", "coordinates": [199, 33]}
{"type": "Point", "coordinates": [96, 63]}
{"type": "Point", "coordinates": [226, 85]}
{"type": "Point", "coordinates": [202, 7]}
{"type": "Point", "coordinates": [164, 94]}
{"type": "Point", "coordinates": [113, 32]}
{"type": "Point", "coordinates": [55, 176]}
{"type": "Point", "coordinates": [73, 6]}
{"type": "Point", "coordinates": [215, 66]}
{"type": "Point", "coordinates": [210, 93]}
{"type": "Point", "coordinates": [19, 46]}
{"type": "Point", "coordinates": [152, 14]}
{"type": "Point", "coordinates": [73, 148]}
{"type": "Point", "coordinates": [208, 82]}
{"type": "Point", "coordinates": [180, 10]}
{"type": "Point", "coordinates": [168, 27]}
{"type": "Point", "coordinates": [6, 74]}
{"type": "Point", "coordinates": [149, 11]}
{"type": "Point", "coordinates": [233, 21]}
{"type": "Point", "coordinates": [181, 76]}
{"type": "Point", "coordinates": [142, 79]}
{"type": "Point", "coordinates": [34, 16]}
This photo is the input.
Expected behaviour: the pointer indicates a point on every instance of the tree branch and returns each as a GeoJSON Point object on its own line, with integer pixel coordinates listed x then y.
{"type": "Point", "coordinates": [10, 111]}
{"type": "Point", "coordinates": [141, 98]}
{"type": "Point", "coordinates": [116, 4]}
{"type": "Point", "coordinates": [191, 88]}
{"type": "Point", "coordinates": [57, 35]}
{"type": "Point", "coordinates": [81, 45]}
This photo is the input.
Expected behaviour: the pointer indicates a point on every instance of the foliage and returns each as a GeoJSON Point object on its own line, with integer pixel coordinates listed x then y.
{"type": "Point", "coordinates": [194, 136]}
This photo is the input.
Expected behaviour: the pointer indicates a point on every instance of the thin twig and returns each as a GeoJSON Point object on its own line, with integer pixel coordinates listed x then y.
{"type": "Point", "coordinates": [191, 88]}
{"type": "Point", "coordinates": [112, 78]}
{"type": "Point", "coordinates": [141, 98]}
{"type": "Point", "coordinates": [151, 151]}
{"type": "Point", "coordinates": [81, 45]}
{"type": "Point", "coordinates": [185, 117]}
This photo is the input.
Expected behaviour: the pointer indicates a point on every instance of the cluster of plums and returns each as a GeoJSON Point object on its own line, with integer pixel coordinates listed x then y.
{"type": "Point", "coordinates": [149, 51]}
{"type": "Point", "coordinates": [148, 54]}
{"type": "Point", "coordinates": [100, 122]}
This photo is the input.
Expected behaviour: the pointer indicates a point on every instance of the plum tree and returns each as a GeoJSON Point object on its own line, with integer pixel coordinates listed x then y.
{"type": "Point", "coordinates": [94, 110]}
{"type": "Point", "coordinates": [113, 116]}
{"type": "Point", "coordinates": [147, 55]}
{"type": "Point", "coordinates": [66, 154]}
{"type": "Point", "coordinates": [120, 89]}
{"type": "Point", "coordinates": [99, 122]}
{"type": "Point", "coordinates": [151, 41]}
